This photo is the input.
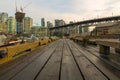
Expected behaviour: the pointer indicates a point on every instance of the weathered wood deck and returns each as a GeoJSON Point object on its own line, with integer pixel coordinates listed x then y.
{"type": "Point", "coordinates": [60, 60]}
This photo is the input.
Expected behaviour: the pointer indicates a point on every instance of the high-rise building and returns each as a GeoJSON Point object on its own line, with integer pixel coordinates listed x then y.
{"type": "Point", "coordinates": [0, 16]}
{"type": "Point", "coordinates": [3, 27]}
{"type": "Point", "coordinates": [59, 32]}
{"type": "Point", "coordinates": [35, 30]}
{"type": "Point", "coordinates": [28, 23]}
{"type": "Point", "coordinates": [4, 16]}
{"type": "Point", "coordinates": [43, 22]}
{"type": "Point", "coordinates": [11, 25]}
{"type": "Point", "coordinates": [56, 22]}
{"type": "Point", "coordinates": [59, 23]}
{"type": "Point", "coordinates": [49, 24]}
{"type": "Point", "coordinates": [19, 16]}
{"type": "Point", "coordinates": [43, 31]}
{"type": "Point", "coordinates": [38, 30]}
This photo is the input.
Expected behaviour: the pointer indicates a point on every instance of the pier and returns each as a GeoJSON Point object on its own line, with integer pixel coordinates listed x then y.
{"type": "Point", "coordinates": [61, 60]}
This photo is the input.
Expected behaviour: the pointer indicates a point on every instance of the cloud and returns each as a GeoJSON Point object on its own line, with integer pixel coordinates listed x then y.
{"type": "Point", "coordinates": [68, 10]}
{"type": "Point", "coordinates": [112, 2]}
{"type": "Point", "coordinates": [5, 6]}
{"type": "Point", "coordinates": [49, 14]}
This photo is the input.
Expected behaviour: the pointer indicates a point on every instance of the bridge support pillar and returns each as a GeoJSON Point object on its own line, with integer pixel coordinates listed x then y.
{"type": "Point", "coordinates": [104, 50]}
{"type": "Point", "coordinates": [80, 29]}
{"type": "Point", "coordinates": [117, 50]}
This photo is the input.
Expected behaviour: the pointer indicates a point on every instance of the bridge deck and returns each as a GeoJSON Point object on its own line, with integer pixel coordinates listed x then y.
{"type": "Point", "coordinates": [60, 60]}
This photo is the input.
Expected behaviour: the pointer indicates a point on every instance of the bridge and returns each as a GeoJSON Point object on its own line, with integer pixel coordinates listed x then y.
{"type": "Point", "coordinates": [81, 27]}
{"type": "Point", "coordinates": [97, 20]}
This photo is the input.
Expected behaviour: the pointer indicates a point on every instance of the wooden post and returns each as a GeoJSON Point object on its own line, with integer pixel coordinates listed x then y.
{"type": "Point", "coordinates": [117, 50]}
{"type": "Point", "coordinates": [104, 50]}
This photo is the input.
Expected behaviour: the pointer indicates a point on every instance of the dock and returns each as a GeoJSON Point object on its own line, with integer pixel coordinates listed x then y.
{"type": "Point", "coordinates": [61, 60]}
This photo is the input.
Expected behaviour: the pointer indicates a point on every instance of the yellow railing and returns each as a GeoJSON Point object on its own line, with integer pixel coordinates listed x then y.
{"type": "Point", "coordinates": [14, 50]}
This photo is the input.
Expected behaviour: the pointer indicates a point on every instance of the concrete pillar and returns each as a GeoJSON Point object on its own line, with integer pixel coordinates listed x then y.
{"type": "Point", "coordinates": [86, 28]}
{"type": "Point", "coordinates": [63, 32]}
{"type": "Point", "coordinates": [117, 50]}
{"type": "Point", "coordinates": [48, 32]}
{"type": "Point", "coordinates": [80, 29]}
{"type": "Point", "coordinates": [104, 49]}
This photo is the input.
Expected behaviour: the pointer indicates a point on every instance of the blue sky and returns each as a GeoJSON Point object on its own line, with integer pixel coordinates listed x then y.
{"type": "Point", "coordinates": [68, 10]}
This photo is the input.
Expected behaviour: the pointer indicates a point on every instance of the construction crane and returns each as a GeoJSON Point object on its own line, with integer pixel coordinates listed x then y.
{"type": "Point", "coordinates": [21, 8]}
{"type": "Point", "coordinates": [16, 6]}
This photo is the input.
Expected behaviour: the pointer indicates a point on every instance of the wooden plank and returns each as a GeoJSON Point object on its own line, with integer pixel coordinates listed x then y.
{"type": "Point", "coordinates": [52, 68]}
{"type": "Point", "coordinates": [109, 71]}
{"type": "Point", "coordinates": [69, 69]}
{"type": "Point", "coordinates": [111, 59]}
{"type": "Point", "coordinates": [89, 71]}
{"type": "Point", "coordinates": [114, 43]}
{"type": "Point", "coordinates": [30, 71]}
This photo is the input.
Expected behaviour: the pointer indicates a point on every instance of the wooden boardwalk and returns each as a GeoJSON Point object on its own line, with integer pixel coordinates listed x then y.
{"type": "Point", "coordinates": [60, 60]}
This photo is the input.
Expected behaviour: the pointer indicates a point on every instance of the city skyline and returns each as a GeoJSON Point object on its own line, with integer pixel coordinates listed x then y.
{"type": "Point", "coordinates": [72, 10]}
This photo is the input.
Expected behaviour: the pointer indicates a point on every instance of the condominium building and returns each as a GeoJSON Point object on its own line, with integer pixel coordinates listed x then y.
{"type": "Point", "coordinates": [3, 27]}
{"type": "Point", "coordinates": [28, 23]}
{"type": "Point", "coordinates": [4, 16]}
{"type": "Point", "coordinates": [59, 22]}
{"type": "Point", "coordinates": [38, 30]}
{"type": "Point", "coordinates": [49, 24]}
{"type": "Point", "coordinates": [43, 22]}
{"type": "Point", "coordinates": [11, 25]}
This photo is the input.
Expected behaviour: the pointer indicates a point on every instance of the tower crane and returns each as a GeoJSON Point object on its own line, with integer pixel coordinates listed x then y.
{"type": "Point", "coordinates": [22, 8]}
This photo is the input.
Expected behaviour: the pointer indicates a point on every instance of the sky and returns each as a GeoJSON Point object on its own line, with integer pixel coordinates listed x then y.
{"type": "Point", "coordinates": [68, 10]}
